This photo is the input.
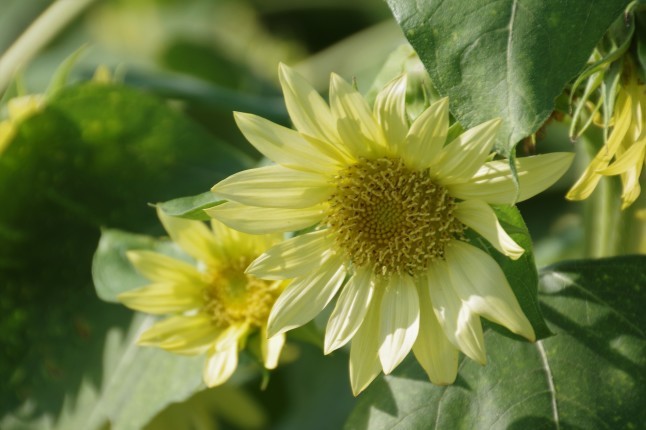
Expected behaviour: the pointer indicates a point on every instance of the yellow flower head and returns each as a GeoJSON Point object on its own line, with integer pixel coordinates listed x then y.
{"type": "Point", "coordinates": [391, 202]}
{"type": "Point", "coordinates": [624, 152]}
{"type": "Point", "coordinates": [215, 306]}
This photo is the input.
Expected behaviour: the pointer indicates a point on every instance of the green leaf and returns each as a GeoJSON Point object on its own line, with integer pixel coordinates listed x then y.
{"type": "Point", "coordinates": [192, 207]}
{"type": "Point", "coordinates": [590, 375]}
{"type": "Point", "coordinates": [508, 58]}
{"type": "Point", "coordinates": [93, 158]}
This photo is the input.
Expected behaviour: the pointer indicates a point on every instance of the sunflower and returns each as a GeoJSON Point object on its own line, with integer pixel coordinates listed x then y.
{"type": "Point", "coordinates": [390, 203]}
{"type": "Point", "coordinates": [214, 306]}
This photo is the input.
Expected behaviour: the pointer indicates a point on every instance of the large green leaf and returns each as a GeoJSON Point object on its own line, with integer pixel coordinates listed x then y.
{"type": "Point", "coordinates": [508, 58]}
{"type": "Point", "coordinates": [93, 158]}
{"type": "Point", "coordinates": [590, 375]}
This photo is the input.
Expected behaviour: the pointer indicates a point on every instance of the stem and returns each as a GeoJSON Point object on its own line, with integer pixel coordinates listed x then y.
{"type": "Point", "coordinates": [37, 35]}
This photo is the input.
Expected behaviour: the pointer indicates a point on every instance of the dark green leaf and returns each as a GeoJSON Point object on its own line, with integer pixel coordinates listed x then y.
{"type": "Point", "coordinates": [192, 207]}
{"type": "Point", "coordinates": [507, 59]}
{"type": "Point", "coordinates": [590, 375]}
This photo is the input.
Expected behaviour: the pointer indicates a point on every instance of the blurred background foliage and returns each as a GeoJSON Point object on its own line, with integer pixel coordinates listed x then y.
{"type": "Point", "coordinates": [160, 127]}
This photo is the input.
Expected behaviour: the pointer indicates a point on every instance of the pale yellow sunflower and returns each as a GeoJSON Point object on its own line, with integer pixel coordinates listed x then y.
{"type": "Point", "coordinates": [390, 203]}
{"type": "Point", "coordinates": [624, 153]}
{"type": "Point", "coordinates": [215, 307]}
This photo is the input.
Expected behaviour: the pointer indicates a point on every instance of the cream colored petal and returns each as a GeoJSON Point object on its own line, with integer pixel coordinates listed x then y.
{"type": "Point", "coordinates": [256, 220]}
{"type": "Point", "coordinates": [460, 324]}
{"type": "Point", "coordinates": [481, 284]}
{"type": "Point", "coordinates": [390, 111]}
{"type": "Point", "coordinates": [283, 145]}
{"type": "Point", "coordinates": [364, 361]}
{"type": "Point", "coordinates": [427, 135]}
{"type": "Point", "coordinates": [162, 268]}
{"type": "Point", "coordinates": [356, 125]}
{"type": "Point", "coordinates": [271, 348]}
{"type": "Point", "coordinates": [461, 158]}
{"type": "Point", "coordinates": [163, 298]}
{"type": "Point", "coordinates": [630, 184]}
{"type": "Point", "coordinates": [293, 258]}
{"type": "Point", "coordinates": [306, 297]}
{"type": "Point", "coordinates": [220, 365]}
{"type": "Point", "coordinates": [479, 216]}
{"type": "Point", "coordinates": [350, 310]}
{"type": "Point", "coordinates": [307, 109]}
{"type": "Point", "coordinates": [399, 321]}
{"type": "Point", "coordinates": [230, 336]}
{"type": "Point", "coordinates": [590, 178]}
{"type": "Point", "coordinates": [437, 356]}
{"type": "Point", "coordinates": [193, 237]}
{"type": "Point", "coordinates": [275, 187]}
{"type": "Point", "coordinates": [493, 182]}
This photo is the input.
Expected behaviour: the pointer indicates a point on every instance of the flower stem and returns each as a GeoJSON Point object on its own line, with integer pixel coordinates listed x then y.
{"type": "Point", "coordinates": [37, 36]}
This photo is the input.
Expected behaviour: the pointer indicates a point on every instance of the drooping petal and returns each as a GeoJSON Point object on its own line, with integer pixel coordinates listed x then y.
{"type": "Point", "coordinates": [354, 120]}
{"type": "Point", "coordinates": [257, 220]}
{"type": "Point", "coordinates": [461, 158]}
{"type": "Point", "coordinates": [479, 216]}
{"type": "Point", "coordinates": [293, 258]}
{"type": "Point", "coordinates": [220, 365]}
{"type": "Point", "coordinates": [271, 348]}
{"type": "Point", "coordinates": [588, 181]}
{"type": "Point", "coordinates": [630, 185]}
{"type": "Point", "coordinates": [283, 145]}
{"type": "Point", "coordinates": [162, 268]}
{"type": "Point", "coordinates": [493, 183]}
{"type": "Point", "coordinates": [163, 298]}
{"type": "Point", "coordinates": [305, 297]}
{"type": "Point", "coordinates": [364, 361]}
{"type": "Point", "coordinates": [275, 187]}
{"type": "Point", "coordinates": [633, 156]}
{"type": "Point", "coordinates": [437, 356]}
{"type": "Point", "coordinates": [399, 321]}
{"type": "Point", "coordinates": [460, 324]}
{"type": "Point", "coordinates": [427, 135]}
{"type": "Point", "coordinates": [390, 111]}
{"type": "Point", "coordinates": [480, 283]}
{"type": "Point", "coordinates": [350, 310]}
{"type": "Point", "coordinates": [192, 236]}
{"type": "Point", "coordinates": [230, 336]}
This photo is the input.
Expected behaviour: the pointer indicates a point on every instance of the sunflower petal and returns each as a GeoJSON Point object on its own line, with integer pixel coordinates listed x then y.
{"type": "Point", "coordinates": [460, 325]}
{"type": "Point", "coordinates": [479, 216]}
{"type": "Point", "coordinates": [306, 297]}
{"type": "Point", "coordinates": [493, 183]}
{"type": "Point", "coordinates": [399, 321]}
{"type": "Point", "coordinates": [427, 135]}
{"type": "Point", "coordinates": [275, 187]}
{"type": "Point", "coordinates": [437, 356]}
{"type": "Point", "coordinates": [364, 361]}
{"type": "Point", "coordinates": [481, 284]}
{"type": "Point", "coordinates": [292, 258]}
{"type": "Point", "coordinates": [307, 109]}
{"type": "Point", "coordinates": [461, 158]}
{"type": "Point", "coordinates": [256, 220]}
{"type": "Point", "coordinates": [193, 237]}
{"type": "Point", "coordinates": [390, 111]}
{"type": "Point", "coordinates": [162, 268]}
{"type": "Point", "coordinates": [283, 145]}
{"type": "Point", "coordinates": [350, 310]}
{"type": "Point", "coordinates": [220, 365]}
{"type": "Point", "coordinates": [271, 348]}
{"type": "Point", "coordinates": [163, 298]}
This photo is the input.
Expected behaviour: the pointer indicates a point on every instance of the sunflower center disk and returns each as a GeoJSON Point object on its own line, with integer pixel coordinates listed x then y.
{"type": "Point", "coordinates": [235, 297]}
{"type": "Point", "coordinates": [390, 218]}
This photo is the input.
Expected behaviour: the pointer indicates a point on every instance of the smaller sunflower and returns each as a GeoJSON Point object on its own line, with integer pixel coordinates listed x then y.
{"type": "Point", "coordinates": [214, 306]}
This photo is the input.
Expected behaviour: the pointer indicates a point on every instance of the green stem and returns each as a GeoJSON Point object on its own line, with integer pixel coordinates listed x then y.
{"type": "Point", "coordinates": [37, 36]}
